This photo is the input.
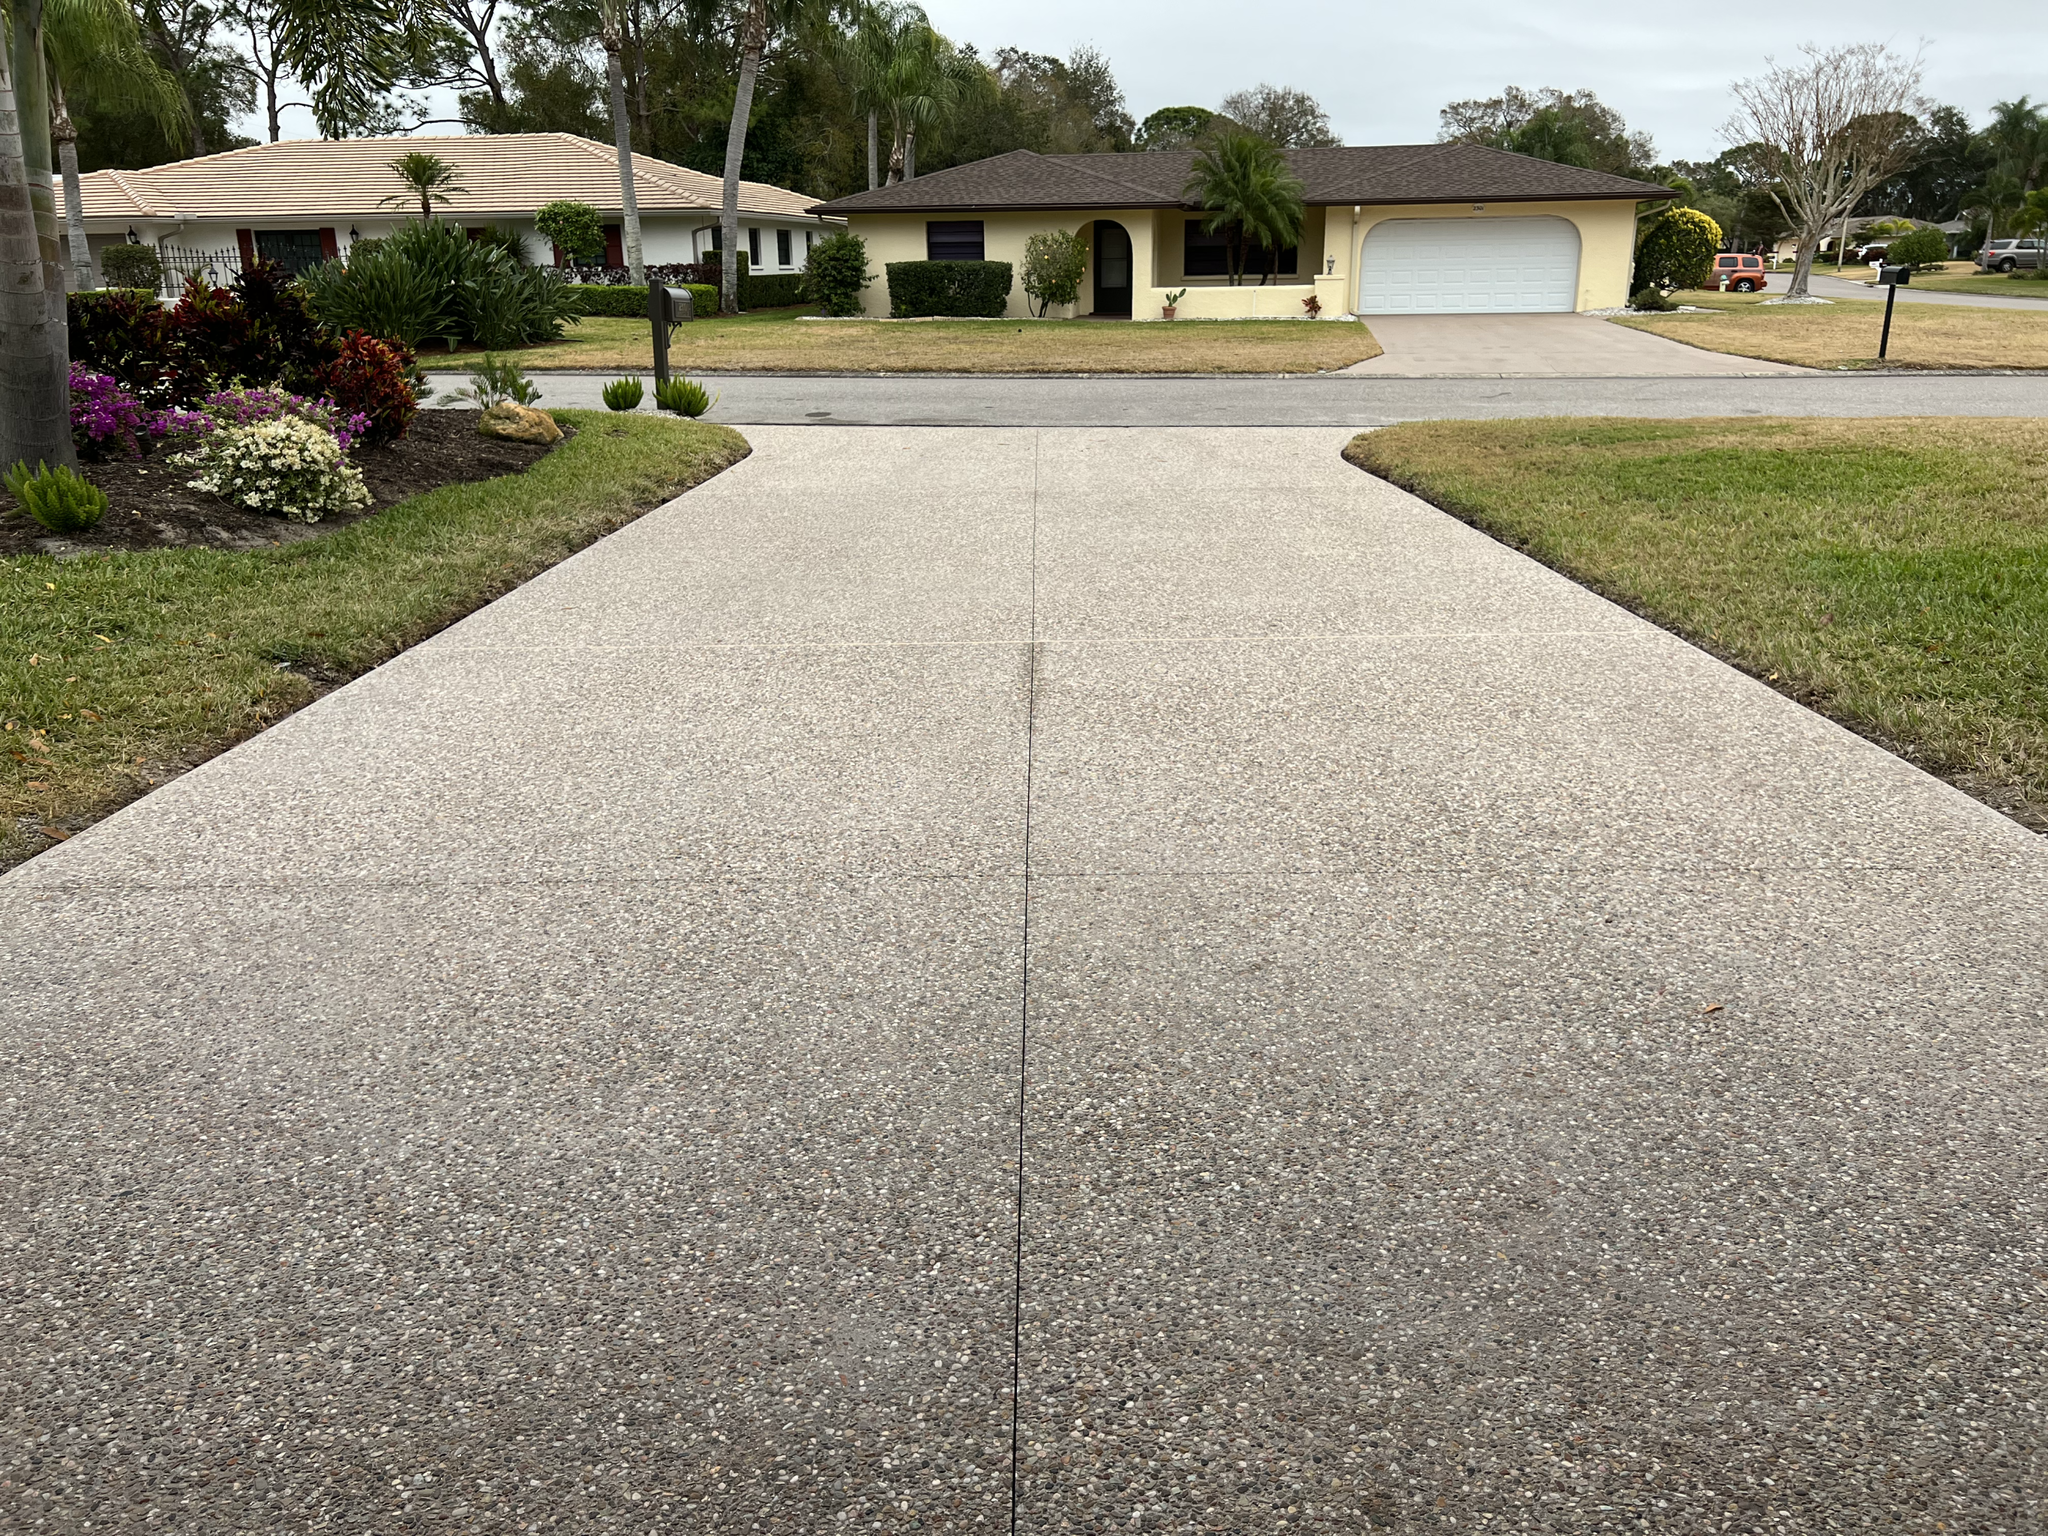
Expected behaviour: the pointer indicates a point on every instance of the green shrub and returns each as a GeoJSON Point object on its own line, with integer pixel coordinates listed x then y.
{"type": "Point", "coordinates": [628, 301]}
{"type": "Point", "coordinates": [508, 240]}
{"type": "Point", "coordinates": [576, 227]}
{"type": "Point", "coordinates": [132, 266]}
{"type": "Point", "coordinates": [1677, 250]}
{"type": "Point", "coordinates": [430, 282]}
{"type": "Point", "coordinates": [61, 499]}
{"type": "Point", "coordinates": [283, 467]}
{"type": "Point", "coordinates": [1054, 264]}
{"type": "Point", "coordinates": [685, 397]}
{"type": "Point", "coordinates": [1651, 297]}
{"type": "Point", "coordinates": [948, 288]}
{"type": "Point", "coordinates": [623, 395]}
{"type": "Point", "coordinates": [1922, 249]}
{"type": "Point", "coordinates": [498, 379]}
{"type": "Point", "coordinates": [837, 273]}
{"type": "Point", "coordinates": [772, 292]}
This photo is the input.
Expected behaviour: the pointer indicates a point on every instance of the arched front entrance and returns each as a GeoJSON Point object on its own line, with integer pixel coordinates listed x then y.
{"type": "Point", "coordinates": [1112, 268]}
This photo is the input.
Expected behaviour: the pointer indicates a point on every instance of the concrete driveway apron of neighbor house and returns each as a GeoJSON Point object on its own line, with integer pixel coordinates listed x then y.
{"type": "Point", "coordinates": [1358, 1032]}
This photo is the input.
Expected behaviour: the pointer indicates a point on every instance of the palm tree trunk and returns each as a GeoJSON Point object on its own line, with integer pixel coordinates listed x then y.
{"type": "Point", "coordinates": [874, 149]}
{"type": "Point", "coordinates": [622, 136]}
{"type": "Point", "coordinates": [66, 137]}
{"type": "Point", "coordinates": [35, 391]}
{"type": "Point", "coordinates": [910, 153]}
{"type": "Point", "coordinates": [753, 43]}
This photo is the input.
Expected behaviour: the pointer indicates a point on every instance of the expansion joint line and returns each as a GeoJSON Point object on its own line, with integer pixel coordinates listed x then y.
{"type": "Point", "coordinates": [1024, 1003]}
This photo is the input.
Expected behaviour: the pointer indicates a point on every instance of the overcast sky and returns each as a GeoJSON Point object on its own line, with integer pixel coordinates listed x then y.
{"type": "Point", "coordinates": [1383, 71]}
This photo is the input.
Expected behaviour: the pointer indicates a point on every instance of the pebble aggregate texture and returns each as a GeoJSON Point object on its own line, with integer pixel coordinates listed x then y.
{"type": "Point", "coordinates": [1484, 1065]}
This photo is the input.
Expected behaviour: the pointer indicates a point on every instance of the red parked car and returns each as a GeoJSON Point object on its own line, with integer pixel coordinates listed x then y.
{"type": "Point", "coordinates": [1739, 274]}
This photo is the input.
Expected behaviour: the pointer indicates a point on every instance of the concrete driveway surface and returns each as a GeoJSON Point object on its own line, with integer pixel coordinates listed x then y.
{"type": "Point", "coordinates": [1357, 1031]}
{"type": "Point", "coordinates": [1541, 346]}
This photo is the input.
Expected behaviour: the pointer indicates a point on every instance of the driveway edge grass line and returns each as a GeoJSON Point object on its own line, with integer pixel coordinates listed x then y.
{"type": "Point", "coordinates": [120, 671]}
{"type": "Point", "coordinates": [1856, 570]}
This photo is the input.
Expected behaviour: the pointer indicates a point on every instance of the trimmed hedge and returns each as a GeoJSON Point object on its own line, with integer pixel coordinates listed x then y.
{"type": "Point", "coordinates": [630, 303]}
{"type": "Point", "coordinates": [772, 292]}
{"type": "Point", "coordinates": [948, 288]}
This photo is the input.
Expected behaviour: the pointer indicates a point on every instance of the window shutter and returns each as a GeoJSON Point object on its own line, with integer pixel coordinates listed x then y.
{"type": "Point", "coordinates": [953, 240]}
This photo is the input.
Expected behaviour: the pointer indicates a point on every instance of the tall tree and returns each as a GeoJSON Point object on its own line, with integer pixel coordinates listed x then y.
{"type": "Point", "coordinates": [612, 27]}
{"type": "Point", "coordinates": [100, 38]}
{"type": "Point", "coordinates": [1174, 127]}
{"type": "Point", "coordinates": [35, 396]}
{"type": "Point", "coordinates": [924, 82]}
{"type": "Point", "coordinates": [1826, 131]}
{"type": "Point", "coordinates": [1282, 115]}
{"type": "Point", "coordinates": [2018, 135]}
{"type": "Point", "coordinates": [1571, 127]}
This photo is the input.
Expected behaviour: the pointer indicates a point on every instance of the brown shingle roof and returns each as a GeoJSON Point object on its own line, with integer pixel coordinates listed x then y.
{"type": "Point", "coordinates": [505, 174]}
{"type": "Point", "coordinates": [1390, 173]}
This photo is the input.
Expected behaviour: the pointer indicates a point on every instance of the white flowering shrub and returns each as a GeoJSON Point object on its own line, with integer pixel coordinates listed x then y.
{"type": "Point", "coordinates": [284, 467]}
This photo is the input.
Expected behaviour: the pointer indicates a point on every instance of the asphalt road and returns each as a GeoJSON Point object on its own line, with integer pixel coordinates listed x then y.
{"type": "Point", "coordinates": [1837, 288]}
{"type": "Point", "coordinates": [1157, 953]}
{"type": "Point", "coordinates": [916, 400]}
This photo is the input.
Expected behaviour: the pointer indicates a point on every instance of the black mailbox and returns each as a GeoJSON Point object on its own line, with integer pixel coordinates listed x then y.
{"type": "Point", "coordinates": [1893, 277]}
{"type": "Point", "coordinates": [667, 308]}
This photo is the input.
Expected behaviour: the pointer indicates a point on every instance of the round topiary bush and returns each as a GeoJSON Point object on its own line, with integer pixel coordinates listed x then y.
{"type": "Point", "coordinates": [576, 228]}
{"type": "Point", "coordinates": [132, 266]}
{"type": "Point", "coordinates": [1922, 249]}
{"type": "Point", "coordinates": [1677, 250]}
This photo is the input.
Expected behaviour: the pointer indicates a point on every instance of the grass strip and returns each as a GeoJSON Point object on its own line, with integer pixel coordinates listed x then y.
{"type": "Point", "coordinates": [782, 341]}
{"type": "Point", "coordinates": [1892, 574]}
{"type": "Point", "coordinates": [118, 671]}
{"type": "Point", "coordinates": [1843, 333]}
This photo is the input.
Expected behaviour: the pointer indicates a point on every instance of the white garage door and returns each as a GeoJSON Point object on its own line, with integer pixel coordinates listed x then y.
{"type": "Point", "coordinates": [1469, 266]}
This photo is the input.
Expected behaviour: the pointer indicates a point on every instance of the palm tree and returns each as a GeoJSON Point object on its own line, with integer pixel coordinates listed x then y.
{"type": "Point", "coordinates": [102, 36]}
{"type": "Point", "coordinates": [612, 26]}
{"type": "Point", "coordinates": [2018, 130]}
{"type": "Point", "coordinates": [35, 391]}
{"type": "Point", "coordinates": [1249, 193]}
{"type": "Point", "coordinates": [927, 79]}
{"type": "Point", "coordinates": [427, 177]}
{"type": "Point", "coordinates": [863, 55]}
{"type": "Point", "coordinates": [2001, 193]}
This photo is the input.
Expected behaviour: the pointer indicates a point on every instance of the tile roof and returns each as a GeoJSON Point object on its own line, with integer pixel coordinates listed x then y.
{"type": "Point", "coordinates": [505, 175]}
{"type": "Point", "coordinates": [1390, 173]}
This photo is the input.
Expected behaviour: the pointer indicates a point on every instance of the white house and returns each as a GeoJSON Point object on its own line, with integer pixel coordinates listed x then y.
{"type": "Point", "coordinates": [300, 201]}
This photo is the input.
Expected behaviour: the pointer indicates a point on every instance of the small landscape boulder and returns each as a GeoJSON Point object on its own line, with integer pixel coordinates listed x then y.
{"type": "Point", "coordinates": [519, 424]}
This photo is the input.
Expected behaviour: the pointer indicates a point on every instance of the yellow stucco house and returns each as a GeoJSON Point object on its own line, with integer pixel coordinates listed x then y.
{"type": "Point", "coordinates": [1391, 229]}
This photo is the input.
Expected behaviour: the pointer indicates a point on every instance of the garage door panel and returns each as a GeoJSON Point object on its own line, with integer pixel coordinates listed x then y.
{"type": "Point", "coordinates": [1469, 266]}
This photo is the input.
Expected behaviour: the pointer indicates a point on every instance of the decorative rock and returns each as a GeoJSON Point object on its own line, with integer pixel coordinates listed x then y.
{"type": "Point", "coordinates": [519, 424]}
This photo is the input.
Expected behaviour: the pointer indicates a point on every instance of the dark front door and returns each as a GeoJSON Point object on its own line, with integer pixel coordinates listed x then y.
{"type": "Point", "coordinates": [1112, 269]}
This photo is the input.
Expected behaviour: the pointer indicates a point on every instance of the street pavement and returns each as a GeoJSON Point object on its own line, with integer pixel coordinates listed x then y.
{"type": "Point", "coordinates": [1151, 949]}
{"type": "Point", "coordinates": [1841, 288]}
{"type": "Point", "coordinates": [1328, 400]}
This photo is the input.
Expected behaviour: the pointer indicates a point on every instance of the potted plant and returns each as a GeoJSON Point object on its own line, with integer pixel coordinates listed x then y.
{"type": "Point", "coordinates": [1172, 303]}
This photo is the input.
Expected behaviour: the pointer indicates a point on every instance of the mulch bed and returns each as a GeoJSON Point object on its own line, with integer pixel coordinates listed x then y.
{"type": "Point", "coordinates": [150, 506]}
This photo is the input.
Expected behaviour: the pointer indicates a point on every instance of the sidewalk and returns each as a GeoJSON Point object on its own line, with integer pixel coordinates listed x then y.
{"type": "Point", "coordinates": [1472, 1055]}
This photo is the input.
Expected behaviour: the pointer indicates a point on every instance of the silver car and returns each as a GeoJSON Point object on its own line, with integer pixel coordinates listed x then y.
{"type": "Point", "coordinates": [2006, 255]}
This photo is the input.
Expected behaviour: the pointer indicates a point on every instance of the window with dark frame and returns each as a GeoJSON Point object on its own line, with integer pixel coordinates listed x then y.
{"type": "Point", "coordinates": [782, 246]}
{"type": "Point", "coordinates": [953, 240]}
{"type": "Point", "coordinates": [1208, 255]}
{"type": "Point", "coordinates": [754, 247]}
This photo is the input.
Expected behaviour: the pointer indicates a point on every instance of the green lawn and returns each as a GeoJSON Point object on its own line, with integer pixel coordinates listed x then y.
{"type": "Point", "coordinates": [785, 341]}
{"type": "Point", "coordinates": [1843, 333]}
{"type": "Point", "coordinates": [1892, 574]}
{"type": "Point", "coordinates": [120, 670]}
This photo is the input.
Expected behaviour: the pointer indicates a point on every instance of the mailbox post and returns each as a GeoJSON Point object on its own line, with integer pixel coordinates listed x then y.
{"type": "Point", "coordinates": [667, 308]}
{"type": "Point", "coordinates": [1892, 279]}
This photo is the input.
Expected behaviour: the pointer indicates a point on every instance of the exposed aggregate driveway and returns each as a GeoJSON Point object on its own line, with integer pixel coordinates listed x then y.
{"type": "Point", "coordinates": [1478, 1063]}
